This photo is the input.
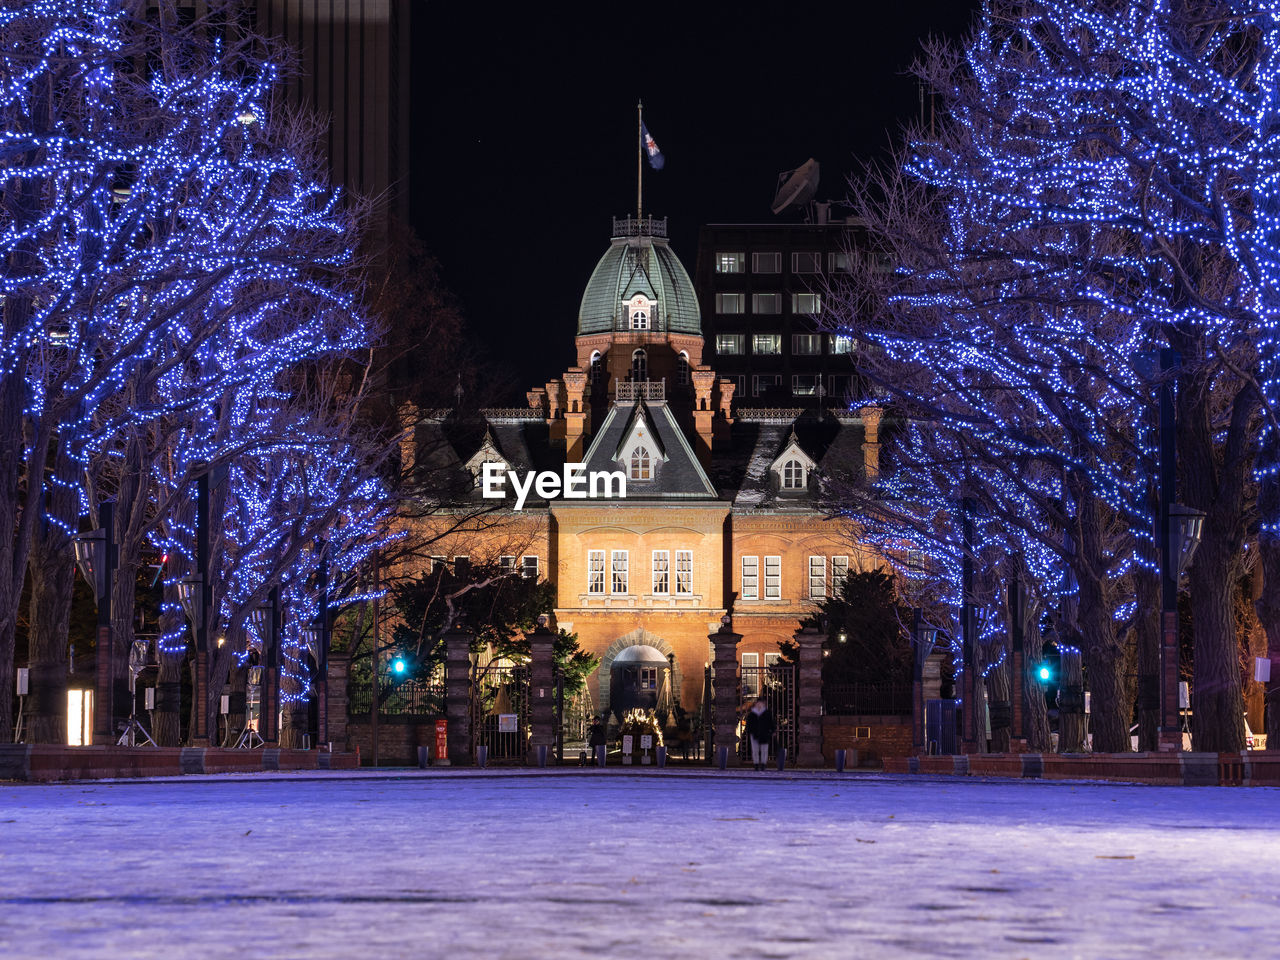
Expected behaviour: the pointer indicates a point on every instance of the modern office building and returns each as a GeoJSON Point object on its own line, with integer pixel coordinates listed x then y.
{"type": "Point", "coordinates": [760, 288]}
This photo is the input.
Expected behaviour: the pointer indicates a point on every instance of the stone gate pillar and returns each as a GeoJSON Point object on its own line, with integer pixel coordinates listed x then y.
{"type": "Point", "coordinates": [457, 695]}
{"type": "Point", "coordinates": [336, 692]}
{"type": "Point", "coordinates": [727, 696]}
{"type": "Point", "coordinates": [542, 691]}
{"type": "Point", "coordinates": [809, 698]}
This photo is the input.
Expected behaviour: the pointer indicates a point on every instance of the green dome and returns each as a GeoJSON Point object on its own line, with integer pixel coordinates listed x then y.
{"type": "Point", "coordinates": [639, 261]}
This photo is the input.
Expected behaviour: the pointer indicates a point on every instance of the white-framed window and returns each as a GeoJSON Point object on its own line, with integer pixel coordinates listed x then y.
{"type": "Point", "coordinates": [731, 302]}
{"type": "Point", "coordinates": [438, 564]}
{"type": "Point", "coordinates": [772, 659]}
{"type": "Point", "coordinates": [618, 582]}
{"type": "Point", "coordinates": [682, 369]}
{"type": "Point", "coordinates": [730, 262]}
{"type": "Point", "coordinates": [839, 574]}
{"type": "Point", "coordinates": [507, 565]}
{"type": "Point", "coordinates": [684, 572]}
{"type": "Point", "coordinates": [793, 475]}
{"type": "Point", "coordinates": [805, 384]}
{"type": "Point", "coordinates": [751, 674]}
{"type": "Point", "coordinates": [639, 366]}
{"type": "Point", "coordinates": [766, 261]}
{"type": "Point", "coordinates": [806, 261]}
{"type": "Point", "coordinates": [817, 578]}
{"type": "Point", "coordinates": [840, 262]}
{"type": "Point", "coordinates": [648, 678]}
{"type": "Point", "coordinates": [641, 464]}
{"type": "Point", "coordinates": [750, 578]}
{"type": "Point", "coordinates": [806, 344]}
{"type": "Point", "coordinates": [639, 319]}
{"type": "Point", "coordinates": [806, 303]}
{"type": "Point", "coordinates": [766, 303]}
{"type": "Point", "coordinates": [529, 567]}
{"type": "Point", "coordinates": [766, 343]}
{"type": "Point", "coordinates": [773, 578]}
{"type": "Point", "coordinates": [838, 385]}
{"type": "Point", "coordinates": [595, 571]}
{"type": "Point", "coordinates": [762, 382]}
{"type": "Point", "coordinates": [840, 343]}
{"type": "Point", "coordinates": [730, 343]}
{"type": "Point", "coordinates": [740, 379]}
{"type": "Point", "coordinates": [662, 571]}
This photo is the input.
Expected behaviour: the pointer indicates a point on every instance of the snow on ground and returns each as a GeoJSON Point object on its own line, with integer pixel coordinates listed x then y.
{"type": "Point", "coordinates": [652, 865]}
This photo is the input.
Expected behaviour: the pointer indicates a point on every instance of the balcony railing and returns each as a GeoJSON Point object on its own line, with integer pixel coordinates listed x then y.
{"type": "Point", "coordinates": [643, 227]}
{"type": "Point", "coordinates": [632, 390]}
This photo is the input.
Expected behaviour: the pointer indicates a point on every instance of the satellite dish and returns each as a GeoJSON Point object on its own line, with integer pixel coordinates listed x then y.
{"type": "Point", "coordinates": [796, 187]}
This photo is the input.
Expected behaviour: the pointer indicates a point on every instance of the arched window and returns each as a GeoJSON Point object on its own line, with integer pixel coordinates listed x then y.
{"type": "Point", "coordinates": [639, 366]}
{"type": "Point", "coordinates": [793, 475]}
{"type": "Point", "coordinates": [597, 370]}
{"type": "Point", "coordinates": [639, 319]}
{"type": "Point", "coordinates": [641, 465]}
{"type": "Point", "coordinates": [682, 369]}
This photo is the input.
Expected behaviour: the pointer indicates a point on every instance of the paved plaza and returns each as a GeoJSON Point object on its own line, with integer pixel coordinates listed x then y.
{"type": "Point", "coordinates": [655, 865]}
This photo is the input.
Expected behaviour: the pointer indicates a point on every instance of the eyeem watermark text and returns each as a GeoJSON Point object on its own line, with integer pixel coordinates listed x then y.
{"type": "Point", "coordinates": [573, 484]}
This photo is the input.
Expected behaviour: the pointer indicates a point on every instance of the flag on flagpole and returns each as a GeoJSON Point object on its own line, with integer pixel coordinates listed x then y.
{"type": "Point", "coordinates": [656, 160]}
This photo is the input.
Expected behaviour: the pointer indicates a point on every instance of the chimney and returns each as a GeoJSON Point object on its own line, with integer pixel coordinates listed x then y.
{"type": "Point", "coordinates": [704, 379]}
{"type": "Point", "coordinates": [871, 440]}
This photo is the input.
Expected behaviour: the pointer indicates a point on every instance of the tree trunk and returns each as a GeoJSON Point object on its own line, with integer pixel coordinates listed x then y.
{"type": "Point", "coordinates": [1070, 710]}
{"type": "Point", "coordinates": [238, 715]}
{"type": "Point", "coordinates": [166, 718]}
{"type": "Point", "coordinates": [53, 573]}
{"type": "Point", "coordinates": [1034, 707]}
{"type": "Point", "coordinates": [999, 690]}
{"type": "Point", "coordinates": [295, 709]}
{"type": "Point", "coordinates": [1217, 699]}
{"type": "Point", "coordinates": [1109, 707]}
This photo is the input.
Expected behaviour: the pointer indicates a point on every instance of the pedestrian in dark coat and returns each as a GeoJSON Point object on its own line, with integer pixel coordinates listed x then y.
{"type": "Point", "coordinates": [760, 732]}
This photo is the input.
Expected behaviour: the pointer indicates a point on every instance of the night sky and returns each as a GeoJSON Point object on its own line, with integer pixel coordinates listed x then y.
{"type": "Point", "coordinates": [524, 133]}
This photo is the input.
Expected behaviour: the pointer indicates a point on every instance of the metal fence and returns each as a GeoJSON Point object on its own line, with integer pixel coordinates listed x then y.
{"type": "Point", "coordinates": [845, 699]}
{"type": "Point", "coordinates": [777, 684]}
{"type": "Point", "coordinates": [408, 698]}
{"type": "Point", "coordinates": [500, 711]}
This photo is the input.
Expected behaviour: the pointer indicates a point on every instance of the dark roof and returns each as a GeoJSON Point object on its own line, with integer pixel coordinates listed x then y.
{"type": "Point", "coordinates": [679, 476]}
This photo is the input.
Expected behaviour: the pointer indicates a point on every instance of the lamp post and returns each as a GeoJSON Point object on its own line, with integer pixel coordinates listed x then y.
{"type": "Point", "coordinates": [968, 626]}
{"type": "Point", "coordinates": [95, 553]}
{"type": "Point", "coordinates": [321, 652]}
{"type": "Point", "coordinates": [266, 619]}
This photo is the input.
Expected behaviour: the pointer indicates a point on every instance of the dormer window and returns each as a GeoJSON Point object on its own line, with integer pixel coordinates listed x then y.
{"type": "Point", "coordinates": [639, 320]}
{"type": "Point", "coordinates": [641, 464]}
{"type": "Point", "coordinates": [793, 477]}
{"type": "Point", "coordinates": [639, 313]}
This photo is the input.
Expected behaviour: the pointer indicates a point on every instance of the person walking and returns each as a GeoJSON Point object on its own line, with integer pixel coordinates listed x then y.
{"type": "Point", "coordinates": [760, 731]}
{"type": "Point", "coordinates": [596, 738]}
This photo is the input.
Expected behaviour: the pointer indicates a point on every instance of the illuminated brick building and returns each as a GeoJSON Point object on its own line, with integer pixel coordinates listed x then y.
{"type": "Point", "coordinates": [720, 511]}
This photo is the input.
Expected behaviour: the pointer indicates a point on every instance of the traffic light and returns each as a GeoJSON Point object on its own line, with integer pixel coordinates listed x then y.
{"type": "Point", "coordinates": [1045, 673]}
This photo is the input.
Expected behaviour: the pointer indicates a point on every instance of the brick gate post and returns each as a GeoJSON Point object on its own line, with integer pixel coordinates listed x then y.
{"type": "Point", "coordinates": [457, 695]}
{"type": "Point", "coordinates": [542, 691]}
{"type": "Point", "coordinates": [809, 699]}
{"type": "Point", "coordinates": [728, 689]}
{"type": "Point", "coordinates": [336, 692]}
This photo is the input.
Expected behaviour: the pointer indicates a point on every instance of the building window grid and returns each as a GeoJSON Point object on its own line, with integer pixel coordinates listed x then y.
{"type": "Point", "coordinates": [507, 565]}
{"type": "Point", "coordinates": [773, 578]}
{"type": "Point", "coordinates": [805, 384]}
{"type": "Point", "coordinates": [750, 578]}
{"type": "Point", "coordinates": [806, 344]}
{"type": "Point", "coordinates": [684, 572]}
{"type": "Point", "coordinates": [728, 344]}
{"type": "Point", "coordinates": [731, 302]}
{"type": "Point", "coordinates": [619, 571]}
{"type": "Point", "coordinates": [766, 261]}
{"type": "Point", "coordinates": [761, 382]}
{"type": "Point", "coordinates": [529, 567]}
{"type": "Point", "coordinates": [766, 303]}
{"type": "Point", "coordinates": [595, 571]}
{"type": "Point", "coordinates": [793, 475]}
{"type": "Point", "coordinates": [751, 674]}
{"type": "Point", "coordinates": [806, 261]}
{"type": "Point", "coordinates": [661, 571]}
{"type": "Point", "coordinates": [766, 344]}
{"type": "Point", "coordinates": [806, 303]}
{"type": "Point", "coordinates": [817, 578]}
{"type": "Point", "coordinates": [840, 343]}
{"type": "Point", "coordinates": [839, 574]}
{"type": "Point", "coordinates": [730, 262]}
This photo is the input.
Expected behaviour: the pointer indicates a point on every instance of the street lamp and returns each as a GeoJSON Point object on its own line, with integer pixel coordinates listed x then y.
{"type": "Point", "coordinates": [91, 558]}
{"type": "Point", "coordinates": [1185, 527]}
{"type": "Point", "coordinates": [95, 556]}
{"type": "Point", "coordinates": [191, 596]}
{"type": "Point", "coordinates": [925, 637]}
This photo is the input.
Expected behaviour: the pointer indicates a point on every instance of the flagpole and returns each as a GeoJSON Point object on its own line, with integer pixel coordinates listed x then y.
{"type": "Point", "coordinates": [639, 158]}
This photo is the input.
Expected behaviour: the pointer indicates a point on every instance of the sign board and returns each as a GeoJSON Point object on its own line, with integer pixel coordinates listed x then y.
{"type": "Point", "coordinates": [508, 723]}
{"type": "Point", "coordinates": [1261, 670]}
{"type": "Point", "coordinates": [442, 738]}
{"type": "Point", "coordinates": [626, 743]}
{"type": "Point", "coordinates": [646, 741]}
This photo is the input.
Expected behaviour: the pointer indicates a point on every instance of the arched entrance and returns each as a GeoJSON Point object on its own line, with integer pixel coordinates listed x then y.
{"type": "Point", "coordinates": [636, 638]}
{"type": "Point", "coordinates": [635, 677]}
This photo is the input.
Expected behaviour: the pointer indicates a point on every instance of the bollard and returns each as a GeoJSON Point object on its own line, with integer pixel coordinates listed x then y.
{"type": "Point", "coordinates": [839, 761]}
{"type": "Point", "coordinates": [602, 753]}
{"type": "Point", "coordinates": [542, 756]}
{"type": "Point", "coordinates": [782, 759]}
{"type": "Point", "coordinates": [422, 758]}
{"type": "Point", "coordinates": [482, 755]}
{"type": "Point", "coordinates": [662, 756]}
{"type": "Point", "coordinates": [724, 758]}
